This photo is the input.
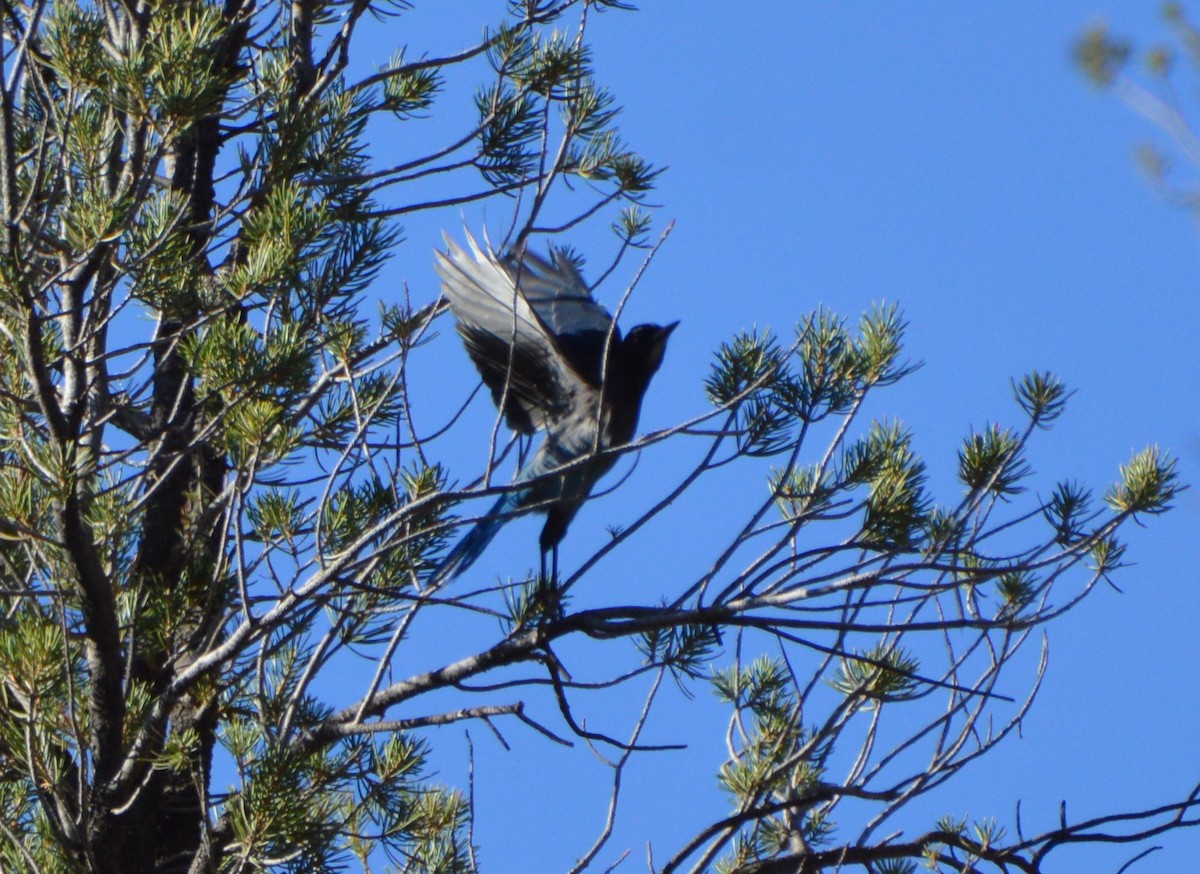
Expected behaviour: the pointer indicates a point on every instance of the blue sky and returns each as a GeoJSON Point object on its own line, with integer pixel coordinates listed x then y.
{"type": "Point", "coordinates": [949, 157]}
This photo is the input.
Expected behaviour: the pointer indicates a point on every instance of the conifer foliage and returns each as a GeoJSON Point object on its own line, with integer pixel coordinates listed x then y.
{"type": "Point", "coordinates": [215, 493]}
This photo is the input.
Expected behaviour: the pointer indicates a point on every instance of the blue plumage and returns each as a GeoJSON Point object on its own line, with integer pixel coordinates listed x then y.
{"type": "Point", "coordinates": [540, 340]}
{"type": "Point", "coordinates": [471, 546]}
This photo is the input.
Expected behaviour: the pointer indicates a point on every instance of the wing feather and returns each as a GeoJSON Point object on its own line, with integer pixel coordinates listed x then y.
{"type": "Point", "coordinates": [559, 295]}
{"type": "Point", "coordinates": [531, 327]}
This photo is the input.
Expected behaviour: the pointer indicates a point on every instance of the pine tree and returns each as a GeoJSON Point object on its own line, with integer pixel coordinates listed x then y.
{"type": "Point", "coordinates": [212, 491]}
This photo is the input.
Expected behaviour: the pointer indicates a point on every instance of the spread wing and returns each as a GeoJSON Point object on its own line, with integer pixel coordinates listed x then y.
{"type": "Point", "coordinates": [557, 293]}
{"type": "Point", "coordinates": [531, 327]}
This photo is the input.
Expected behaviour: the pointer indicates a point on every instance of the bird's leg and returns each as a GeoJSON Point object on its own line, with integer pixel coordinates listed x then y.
{"type": "Point", "coordinates": [548, 605]}
{"type": "Point", "coordinates": [548, 593]}
{"type": "Point", "coordinates": [552, 575]}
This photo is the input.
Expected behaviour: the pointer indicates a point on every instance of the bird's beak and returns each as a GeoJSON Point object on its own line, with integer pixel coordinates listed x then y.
{"type": "Point", "coordinates": [660, 343]}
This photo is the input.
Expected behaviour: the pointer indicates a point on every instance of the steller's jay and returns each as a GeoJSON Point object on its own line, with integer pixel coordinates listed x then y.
{"type": "Point", "coordinates": [539, 341]}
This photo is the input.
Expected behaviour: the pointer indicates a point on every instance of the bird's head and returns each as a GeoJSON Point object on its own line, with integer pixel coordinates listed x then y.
{"type": "Point", "coordinates": [643, 348]}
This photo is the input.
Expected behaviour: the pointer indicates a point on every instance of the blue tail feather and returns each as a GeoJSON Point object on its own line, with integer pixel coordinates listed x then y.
{"type": "Point", "coordinates": [472, 545]}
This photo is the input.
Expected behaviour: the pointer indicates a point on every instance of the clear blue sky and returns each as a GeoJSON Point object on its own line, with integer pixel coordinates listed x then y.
{"type": "Point", "coordinates": [948, 156]}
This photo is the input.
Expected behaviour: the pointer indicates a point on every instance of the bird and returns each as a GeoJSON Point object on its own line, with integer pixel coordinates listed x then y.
{"type": "Point", "coordinates": [555, 362]}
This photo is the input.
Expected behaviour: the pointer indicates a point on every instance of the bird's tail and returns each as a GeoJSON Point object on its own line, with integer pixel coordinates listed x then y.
{"type": "Point", "coordinates": [467, 550]}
